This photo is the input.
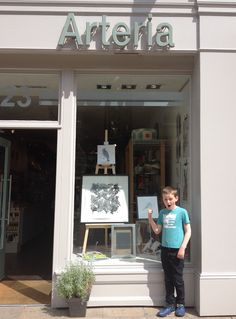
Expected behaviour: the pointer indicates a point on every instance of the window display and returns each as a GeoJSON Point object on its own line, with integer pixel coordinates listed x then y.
{"type": "Point", "coordinates": [144, 128]}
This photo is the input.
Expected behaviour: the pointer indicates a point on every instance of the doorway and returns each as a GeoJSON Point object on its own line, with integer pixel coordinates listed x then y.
{"type": "Point", "coordinates": [29, 233]}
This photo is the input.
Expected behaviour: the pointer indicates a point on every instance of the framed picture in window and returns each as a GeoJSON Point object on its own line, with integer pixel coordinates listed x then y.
{"type": "Point", "coordinates": [146, 202]}
{"type": "Point", "coordinates": [123, 240]}
{"type": "Point", "coordinates": [106, 154]}
{"type": "Point", "coordinates": [104, 199]}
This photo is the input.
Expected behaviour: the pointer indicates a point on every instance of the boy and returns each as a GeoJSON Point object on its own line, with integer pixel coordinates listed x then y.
{"type": "Point", "coordinates": [173, 221]}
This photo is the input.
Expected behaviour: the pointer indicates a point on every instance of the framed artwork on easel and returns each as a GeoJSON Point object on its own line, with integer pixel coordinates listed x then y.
{"type": "Point", "coordinates": [106, 154]}
{"type": "Point", "coordinates": [104, 199]}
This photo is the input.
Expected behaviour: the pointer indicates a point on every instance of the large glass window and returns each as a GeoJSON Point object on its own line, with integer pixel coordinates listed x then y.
{"type": "Point", "coordinates": [29, 96]}
{"type": "Point", "coordinates": [135, 126]}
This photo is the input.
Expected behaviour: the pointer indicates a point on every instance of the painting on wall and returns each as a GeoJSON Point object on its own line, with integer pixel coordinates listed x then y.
{"type": "Point", "coordinates": [104, 199]}
{"type": "Point", "coordinates": [146, 202]}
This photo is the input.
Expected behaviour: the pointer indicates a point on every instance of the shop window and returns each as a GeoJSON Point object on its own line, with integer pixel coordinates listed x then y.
{"type": "Point", "coordinates": [142, 133]}
{"type": "Point", "coordinates": [29, 96]}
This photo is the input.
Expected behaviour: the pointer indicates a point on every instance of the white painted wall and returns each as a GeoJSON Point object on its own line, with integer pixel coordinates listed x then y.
{"type": "Point", "coordinates": [196, 178]}
{"type": "Point", "coordinates": [65, 175]}
{"type": "Point", "coordinates": [25, 29]}
{"type": "Point", "coordinates": [218, 157]}
{"type": "Point", "coordinates": [217, 277]}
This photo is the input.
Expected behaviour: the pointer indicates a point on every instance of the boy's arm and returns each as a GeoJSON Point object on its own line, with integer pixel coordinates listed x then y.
{"type": "Point", "coordinates": [187, 235]}
{"type": "Point", "coordinates": [155, 227]}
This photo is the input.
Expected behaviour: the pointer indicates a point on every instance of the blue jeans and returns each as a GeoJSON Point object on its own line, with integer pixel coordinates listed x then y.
{"type": "Point", "coordinates": [173, 272]}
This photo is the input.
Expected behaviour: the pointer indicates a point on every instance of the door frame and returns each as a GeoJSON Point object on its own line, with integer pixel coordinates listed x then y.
{"type": "Point", "coordinates": [4, 202]}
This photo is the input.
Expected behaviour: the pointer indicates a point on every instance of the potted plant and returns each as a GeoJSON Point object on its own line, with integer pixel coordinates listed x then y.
{"type": "Point", "coordinates": [75, 284]}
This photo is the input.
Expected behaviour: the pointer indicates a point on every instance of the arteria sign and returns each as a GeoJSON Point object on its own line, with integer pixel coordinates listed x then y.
{"type": "Point", "coordinates": [120, 35]}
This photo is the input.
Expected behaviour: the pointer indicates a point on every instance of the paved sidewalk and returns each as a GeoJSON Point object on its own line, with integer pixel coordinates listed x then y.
{"type": "Point", "coordinates": [45, 312]}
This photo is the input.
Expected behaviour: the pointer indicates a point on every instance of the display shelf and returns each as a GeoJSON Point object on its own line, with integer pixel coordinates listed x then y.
{"type": "Point", "coordinates": [145, 165]}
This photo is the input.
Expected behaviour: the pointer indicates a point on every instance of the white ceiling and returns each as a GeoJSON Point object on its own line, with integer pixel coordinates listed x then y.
{"type": "Point", "coordinates": [170, 90]}
{"type": "Point", "coordinates": [169, 83]}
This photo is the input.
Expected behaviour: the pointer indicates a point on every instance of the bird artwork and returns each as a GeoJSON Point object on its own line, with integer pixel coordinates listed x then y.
{"type": "Point", "coordinates": [148, 205]}
{"type": "Point", "coordinates": [105, 154]}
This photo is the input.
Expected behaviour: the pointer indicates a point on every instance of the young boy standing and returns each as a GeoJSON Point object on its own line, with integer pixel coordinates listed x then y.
{"type": "Point", "coordinates": [173, 221]}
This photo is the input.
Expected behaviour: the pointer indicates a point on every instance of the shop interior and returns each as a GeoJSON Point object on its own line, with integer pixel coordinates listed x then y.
{"type": "Point", "coordinates": [29, 232]}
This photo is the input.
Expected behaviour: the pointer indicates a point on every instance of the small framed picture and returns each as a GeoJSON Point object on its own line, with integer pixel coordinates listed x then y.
{"type": "Point", "coordinates": [146, 202]}
{"type": "Point", "coordinates": [123, 240]}
{"type": "Point", "coordinates": [106, 154]}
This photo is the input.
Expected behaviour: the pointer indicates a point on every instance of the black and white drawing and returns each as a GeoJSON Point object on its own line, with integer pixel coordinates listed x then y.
{"type": "Point", "coordinates": [104, 199]}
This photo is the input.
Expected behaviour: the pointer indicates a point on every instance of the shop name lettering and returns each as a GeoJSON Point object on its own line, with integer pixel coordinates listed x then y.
{"type": "Point", "coordinates": [121, 34]}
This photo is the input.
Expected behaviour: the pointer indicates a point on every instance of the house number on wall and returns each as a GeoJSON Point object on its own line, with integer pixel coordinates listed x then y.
{"type": "Point", "coordinates": [12, 101]}
{"type": "Point", "coordinates": [15, 96]}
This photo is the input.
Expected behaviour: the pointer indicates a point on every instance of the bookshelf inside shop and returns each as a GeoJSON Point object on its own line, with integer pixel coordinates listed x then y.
{"type": "Point", "coordinates": [145, 165]}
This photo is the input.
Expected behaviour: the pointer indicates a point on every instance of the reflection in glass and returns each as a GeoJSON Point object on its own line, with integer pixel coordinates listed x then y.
{"type": "Point", "coordinates": [29, 96]}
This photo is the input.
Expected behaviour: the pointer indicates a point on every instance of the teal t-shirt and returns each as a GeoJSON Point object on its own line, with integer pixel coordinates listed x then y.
{"type": "Point", "coordinates": [172, 222]}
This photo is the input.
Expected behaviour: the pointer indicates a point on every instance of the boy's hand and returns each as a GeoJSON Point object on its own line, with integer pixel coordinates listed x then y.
{"type": "Point", "coordinates": [151, 222]}
{"type": "Point", "coordinates": [181, 253]}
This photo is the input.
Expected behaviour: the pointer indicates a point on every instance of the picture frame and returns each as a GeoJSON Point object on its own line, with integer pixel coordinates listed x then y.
{"type": "Point", "coordinates": [104, 199]}
{"type": "Point", "coordinates": [123, 240]}
{"type": "Point", "coordinates": [146, 202]}
{"type": "Point", "coordinates": [106, 154]}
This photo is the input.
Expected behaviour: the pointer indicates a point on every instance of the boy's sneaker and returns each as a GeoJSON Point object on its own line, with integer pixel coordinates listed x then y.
{"type": "Point", "coordinates": [180, 310]}
{"type": "Point", "coordinates": [166, 311]}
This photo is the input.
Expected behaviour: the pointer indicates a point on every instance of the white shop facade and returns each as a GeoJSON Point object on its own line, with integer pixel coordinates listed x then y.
{"type": "Point", "coordinates": [152, 83]}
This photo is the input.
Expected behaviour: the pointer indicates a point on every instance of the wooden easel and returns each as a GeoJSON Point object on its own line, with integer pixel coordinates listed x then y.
{"type": "Point", "coordinates": [96, 226]}
{"type": "Point", "coordinates": [105, 167]}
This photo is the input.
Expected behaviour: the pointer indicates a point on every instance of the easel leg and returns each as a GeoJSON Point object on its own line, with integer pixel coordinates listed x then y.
{"type": "Point", "coordinates": [85, 240]}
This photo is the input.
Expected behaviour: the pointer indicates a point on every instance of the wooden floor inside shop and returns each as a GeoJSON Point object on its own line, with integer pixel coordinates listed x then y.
{"type": "Point", "coordinates": [25, 291]}
{"type": "Point", "coordinates": [29, 273]}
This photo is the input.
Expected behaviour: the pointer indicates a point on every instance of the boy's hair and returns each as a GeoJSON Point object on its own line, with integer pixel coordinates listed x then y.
{"type": "Point", "coordinates": [170, 190]}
